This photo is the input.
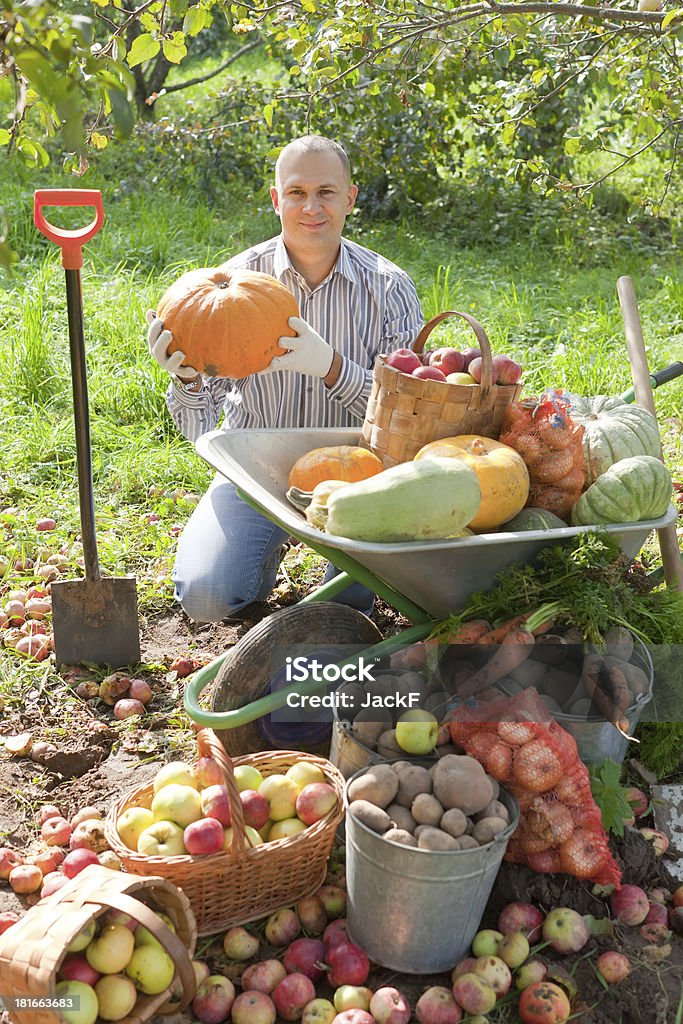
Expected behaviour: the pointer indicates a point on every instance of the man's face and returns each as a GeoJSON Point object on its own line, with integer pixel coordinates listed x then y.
{"type": "Point", "coordinates": [312, 200]}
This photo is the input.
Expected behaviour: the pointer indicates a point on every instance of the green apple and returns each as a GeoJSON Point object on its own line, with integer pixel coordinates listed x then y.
{"type": "Point", "coordinates": [247, 777]}
{"type": "Point", "coordinates": [83, 938]}
{"type": "Point", "coordinates": [85, 997]}
{"type": "Point", "coordinates": [486, 942]}
{"type": "Point", "coordinates": [249, 834]}
{"type": "Point", "coordinates": [286, 828]}
{"type": "Point", "coordinates": [175, 773]}
{"type": "Point", "coordinates": [281, 794]}
{"type": "Point", "coordinates": [417, 732]}
{"type": "Point", "coordinates": [111, 950]}
{"type": "Point", "coordinates": [303, 773]}
{"type": "Point", "coordinates": [181, 804]}
{"type": "Point", "coordinates": [151, 969]}
{"type": "Point", "coordinates": [318, 1011]}
{"type": "Point", "coordinates": [143, 937]}
{"type": "Point", "coordinates": [162, 839]}
{"type": "Point", "coordinates": [460, 378]}
{"type": "Point", "coordinates": [352, 997]}
{"type": "Point", "coordinates": [116, 995]}
{"type": "Point", "coordinates": [131, 823]}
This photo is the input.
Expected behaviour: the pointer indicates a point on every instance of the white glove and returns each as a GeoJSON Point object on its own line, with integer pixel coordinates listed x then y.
{"type": "Point", "coordinates": [306, 353]}
{"type": "Point", "coordinates": [158, 340]}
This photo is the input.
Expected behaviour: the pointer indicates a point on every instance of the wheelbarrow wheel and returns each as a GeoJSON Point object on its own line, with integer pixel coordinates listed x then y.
{"type": "Point", "coordinates": [256, 659]}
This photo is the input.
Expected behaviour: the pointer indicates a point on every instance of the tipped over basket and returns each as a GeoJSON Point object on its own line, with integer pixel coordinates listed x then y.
{"type": "Point", "coordinates": [243, 882]}
{"type": "Point", "coordinates": [32, 950]}
{"type": "Point", "coordinates": [405, 412]}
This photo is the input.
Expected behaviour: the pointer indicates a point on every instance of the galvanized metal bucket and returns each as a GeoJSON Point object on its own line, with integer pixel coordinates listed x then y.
{"type": "Point", "coordinates": [417, 911]}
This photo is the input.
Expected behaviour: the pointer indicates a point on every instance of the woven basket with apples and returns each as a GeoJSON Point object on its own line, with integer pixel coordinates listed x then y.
{"type": "Point", "coordinates": [240, 838]}
{"type": "Point", "coordinates": [106, 946]}
{"type": "Point", "coordinates": [454, 393]}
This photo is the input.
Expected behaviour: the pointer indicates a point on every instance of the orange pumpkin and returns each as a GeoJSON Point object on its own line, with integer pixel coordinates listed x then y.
{"type": "Point", "coordinates": [336, 462]}
{"type": "Point", "coordinates": [502, 472]}
{"type": "Point", "coordinates": [227, 322]}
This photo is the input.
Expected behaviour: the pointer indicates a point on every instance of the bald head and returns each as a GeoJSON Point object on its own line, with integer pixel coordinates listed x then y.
{"type": "Point", "coordinates": [312, 144]}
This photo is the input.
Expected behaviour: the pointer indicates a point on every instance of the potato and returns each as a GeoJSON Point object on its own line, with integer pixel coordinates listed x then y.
{"type": "Point", "coordinates": [382, 686]}
{"type": "Point", "coordinates": [487, 829]}
{"type": "Point", "coordinates": [387, 745]}
{"type": "Point", "coordinates": [559, 685]}
{"type": "Point", "coordinates": [454, 822]}
{"type": "Point", "coordinates": [401, 817]}
{"type": "Point", "coordinates": [495, 785]}
{"type": "Point", "coordinates": [399, 766]}
{"type": "Point", "coordinates": [460, 781]}
{"type": "Point", "coordinates": [619, 641]}
{"type": "Point", "coordinates": [411, 781]}
{"type": "Point", "coordinates": [551, 704]}
{"type": "Point", "coordinates": [371, 815]}
{"type": "Point", "coordinates": [582, 707]}
{"type": "Point", "coordinates": [419, 829]}
{"type": "Point", "coordinates": [637, 680]}
{"type": "Point", "coordinates": [436, 839]}
{"type": "Point", "coordinates": [493, 810]}
{"type": "Point", "coordinates": [353, 697]}
{"type": "Point", "coordinates": [369, 724]}
{"type": "Point", "coordinates": [549, 649]}
{"type": "Point", "coordinates": [447, 748]}
{"type": "Point", "coordinates": [529, 673]}
{"type": "Point", "coordinates": [426, 809]}
{"type": "Point", "coordinates": [468, 842]}
{"type": "Point", "coordinates": [436, 703]}
{"type": "Point", "coordinates": [378, 784]}
{"type": "Point", "coordinates": [399, 835]}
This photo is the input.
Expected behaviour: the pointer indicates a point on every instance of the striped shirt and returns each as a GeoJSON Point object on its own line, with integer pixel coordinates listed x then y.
{"type": "Point", "coordinates": [366, 305]}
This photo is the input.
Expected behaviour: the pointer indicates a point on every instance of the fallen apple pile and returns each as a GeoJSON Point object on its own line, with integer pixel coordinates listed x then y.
{"type": "Point", "coordinates": [454, 367]}
{"type": "Point", "coordinates": [109, 964]}
{"type": "Point", "coordinates": [453, 805]}
{"type": "Point", "coordinates": [189, 809]}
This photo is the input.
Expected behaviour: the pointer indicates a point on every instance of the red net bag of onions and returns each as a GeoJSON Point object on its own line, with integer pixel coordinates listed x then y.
{"type": "Point", "coordinates": [518, 743]}
{"type": "Point", "coordinates": [543, 433]}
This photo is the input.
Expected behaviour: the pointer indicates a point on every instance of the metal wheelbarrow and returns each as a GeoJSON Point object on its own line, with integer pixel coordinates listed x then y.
{"type": "Point", "coordinates": [425, 581]}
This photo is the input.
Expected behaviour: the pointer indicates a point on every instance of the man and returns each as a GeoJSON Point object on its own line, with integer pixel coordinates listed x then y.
{"type": "Point", "coordinates": [353, 305]}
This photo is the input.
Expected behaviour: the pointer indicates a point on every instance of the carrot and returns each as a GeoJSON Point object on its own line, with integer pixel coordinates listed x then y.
{"type": "Point", "coordinates": [606, 705]}
{"type": "Point", "coordinates": [499, 634]}
{"type": "Point", "coordinates": [514, 649]}
{"type": "Point", "coordinates": [537, 622]}
{"type": "Point", "coordinates": [468, 633]}
{"type": "Point", "coordinates": [621, 695]}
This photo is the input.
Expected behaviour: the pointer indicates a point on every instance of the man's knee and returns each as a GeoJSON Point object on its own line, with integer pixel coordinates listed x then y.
{"type": "Point", "coordinates": [208, 602]}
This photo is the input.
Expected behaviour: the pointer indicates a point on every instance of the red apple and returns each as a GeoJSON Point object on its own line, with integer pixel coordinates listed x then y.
{"type": "Point", "coordinates": [253, 1008]}
{"type": "Point", "coordinates": [291, 995]}
{"type": "Point", "coordinates": [33, 646]}
{"type": "Point", "coordinates": [140, 690]}
{"type": "Point", "coordinates": [86, 814]}
{"type": "Point", "coordinates": [388, 1006]}
{"type": "Point", "coordinates": [52, 881]}
{"type": "Point", "coordinates": [76, 860]}
{"type": "Point", "coordinates": [473, 994]}
{"type": "Point", "coordinates": [282, 927]}
{"type": "Point", "coordinates": [215, 803]}
{"type": "Point", "coordinates": [475, 369]}
{"type": "Point", "coordinates": [25, 878]}
{"type": "Point", "coordinates": [203, 837]}
{"type": "Point", "coordinates": [263, 976]}
{"type": "Point", "coordinates": [305, 956]}
{"type": "Point", "coordinates": [629, 905]}
{"type": "Point", "coordinates": [437, 1006]}
{"type": "Point", "coordinates": [315, 801]}
{"type": "Point", "coordinates": [348, 965]}
{"type": "Point", "coordinates": [113, 687]}
{"type": "Point", "coordinates": [638, 800]}
{"type": "Point", "coordinates": [354, 1016]}
{"type": "Point", "coordinates": [311, 913]}
{"type": "Point", "coordinates": [209, 773]}
{"type": "Point", "coordinates": [9, 859]}
{"type": "Point", "coordinates": [335, 933]}
{"type": "Point", "coordinates": [468, 355]}
{"type": "Point", "coordinates": [256, 808]}
{"type": "Point", "coordinates": [565, 930]}
{"type": "Point", "coordinates": [55, 831]}
{"type": "Point", "coordinates": [403, 359]}
{"type": "Point", "coordinates": [75, 967]}
{"type": "Point", "coordinates": [677, 896]}
{"type": "Point", "coordinates": [544, 1002]}
{"type": "Point", "coordinates": [45, 525]}
{"type": "Point", "coordinates": [213, 1000]}
{"type": "Point", "coordinates": [428, 373]}
{"type": "Point", "coordinates": [89, 835]}
{"type": "Point", "coordinates": [657, 914]}
{"type": "Point", "coordinates": [465, 966]}
{"type": "Point", "coordinates": [126, 708]}
{"type": "Point", "coordinates": [676, 920]}
{"type": "Point", "coordinates": [7, 919]}
{"type": "Point", "coordinates": [657, 838]}
{"type": "Point", "coordinates": [521, 917]}
{"type": "Point", "coordinates": [448, 360]}
{"type": "Point", "coordinates": [655, 932]}
{"type": "Point", "coordinates": [661, 895]}
{"type": "Point", "coordinates": [506, 370]}
{"type": "Point", "coordinates": [613, 966]}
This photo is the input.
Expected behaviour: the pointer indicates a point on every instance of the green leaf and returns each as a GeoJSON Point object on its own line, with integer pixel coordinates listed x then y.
{"type": "Point", "coordinates": [4, 136]}
{"type": "Point", "coordinates": [196, 18]}
{"type": "Point", "coordinates": [268, 114]}
{"type": "Point", "coordinates": [672, 16]}
{"type": "Point", "coordinates": [98, 141]}
{"type": "Point", "coordinates": [144, 48]}
{"type": "Point", "coordinates": [573, 145]}
{"type": "Point", "coordinates": [428, 89]}
{"type": "Point", "coordinates": [610, 795]}
{"type": "Point", "coordinates": [123, 112]}
{"type": "Point", "coordinates": [508, 134]}
{"type": "Point", "coordinates": [174, 48]}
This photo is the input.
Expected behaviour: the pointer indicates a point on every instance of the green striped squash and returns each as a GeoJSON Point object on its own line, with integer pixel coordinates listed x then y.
{"type": "Point", "coordinates": [629, 491]}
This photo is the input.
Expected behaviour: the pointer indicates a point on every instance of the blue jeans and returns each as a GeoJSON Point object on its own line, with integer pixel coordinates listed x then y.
{"type": "Point", "coordinates": [228, 556]}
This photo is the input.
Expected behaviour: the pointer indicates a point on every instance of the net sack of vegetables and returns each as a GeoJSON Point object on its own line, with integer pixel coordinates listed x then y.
{"type": "Point", "coordinates": [543, 433]}
{"type": "Point", "coordinates": [518, 743]}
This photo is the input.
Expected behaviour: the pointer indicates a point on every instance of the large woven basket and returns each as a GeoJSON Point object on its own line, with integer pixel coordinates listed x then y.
{"type": "Point", "coordinates": [243, 883]}
{"type": "Point", "coordinates": [31, 951]}
{"type": "Point", "coordinates": [406, 412]}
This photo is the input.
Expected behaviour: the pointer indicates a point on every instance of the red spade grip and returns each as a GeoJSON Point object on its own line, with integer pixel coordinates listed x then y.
{"type": "Point", "coordinates": [70, 241]}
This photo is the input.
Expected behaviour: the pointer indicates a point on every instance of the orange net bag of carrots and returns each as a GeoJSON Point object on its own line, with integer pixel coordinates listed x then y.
{"type": "Point", "coordinates": [518, 743]}
{"type": "Point", "coordinates": [550, 443]}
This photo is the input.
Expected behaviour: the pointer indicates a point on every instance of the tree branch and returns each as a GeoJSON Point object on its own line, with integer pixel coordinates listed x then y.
{"type": "Point", "coordinates": [247, 48]}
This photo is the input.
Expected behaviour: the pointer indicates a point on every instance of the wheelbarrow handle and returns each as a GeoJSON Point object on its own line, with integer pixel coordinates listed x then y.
{"type": "Point", "coordinates": [70, 241]}
{"type": "Point", "coordinates": [656, 380]}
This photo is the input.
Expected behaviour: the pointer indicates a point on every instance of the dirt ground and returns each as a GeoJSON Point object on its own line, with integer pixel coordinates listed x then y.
{"type": "Point", "coordinates": [98, 759]}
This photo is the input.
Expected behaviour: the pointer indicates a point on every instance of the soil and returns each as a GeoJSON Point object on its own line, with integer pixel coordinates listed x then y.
{"type": "Point", "coordinates": [96, 759]}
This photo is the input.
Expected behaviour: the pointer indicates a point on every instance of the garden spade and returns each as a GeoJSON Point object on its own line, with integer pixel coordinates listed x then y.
{"type": "Point", "coordinates": [94, 619]}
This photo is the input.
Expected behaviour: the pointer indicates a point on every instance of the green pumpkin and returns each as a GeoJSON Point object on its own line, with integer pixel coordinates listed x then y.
{"type": "Point", "coordinates": [613, 430]}
{"type": "Point", "coordinates": [629, 491]}
{"type": "Point", "coordinates": [533, 519]}
{"type": "Point", "coordinates": [414, 501]}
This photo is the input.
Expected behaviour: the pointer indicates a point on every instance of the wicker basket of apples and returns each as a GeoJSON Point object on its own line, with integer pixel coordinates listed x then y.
{"type": "Point", "coordinates": [419, 397]}
{"type": "Point", "coordinates": [104, 947]}
{"type": "Point", "coordinates": [240, 838]}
